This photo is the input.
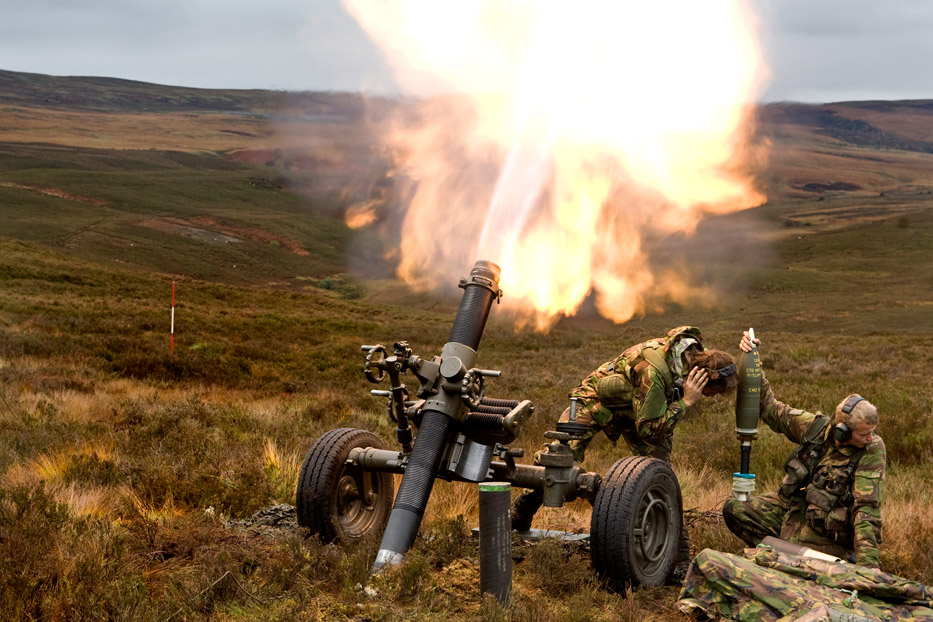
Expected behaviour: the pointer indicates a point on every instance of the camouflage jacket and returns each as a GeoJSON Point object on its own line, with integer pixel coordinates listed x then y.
{"type": "Point", "coordinates": [851, 521]}
{"type": "Point", "coordinates": [647, 395]}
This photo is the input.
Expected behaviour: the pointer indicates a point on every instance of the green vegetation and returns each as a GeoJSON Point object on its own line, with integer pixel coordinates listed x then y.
{"type": "Point", "coordinates": [190, 214]}
{"type": "Point", "coordinates": [123, 463]}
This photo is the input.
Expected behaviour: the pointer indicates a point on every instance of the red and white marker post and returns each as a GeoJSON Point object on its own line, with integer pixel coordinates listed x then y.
{"type": "Point", "coordinates": [171, 339]}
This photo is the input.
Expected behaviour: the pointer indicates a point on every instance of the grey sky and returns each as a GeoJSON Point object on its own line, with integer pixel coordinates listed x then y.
{"type": "Point", "coordinates": [833, 50]}
{"type": "Point", "coordinates": [818, 50]}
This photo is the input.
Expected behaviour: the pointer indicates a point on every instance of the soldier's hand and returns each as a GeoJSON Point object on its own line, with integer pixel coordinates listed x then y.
{"type": "Point", "coordinates": [693, 385]}
{"type": "Point", "coordinates": [746, 344]}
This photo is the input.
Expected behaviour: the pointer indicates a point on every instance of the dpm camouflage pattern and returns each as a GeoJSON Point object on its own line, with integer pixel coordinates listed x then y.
{"type": "Point", "coordinates": [777, 587]}
{"type": "Point", "coordinates": [806, 512]}
{"type": "Point", "coordinates": [633, 396]}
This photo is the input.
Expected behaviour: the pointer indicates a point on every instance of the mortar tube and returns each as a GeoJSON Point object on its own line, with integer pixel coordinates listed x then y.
{"type": "Point", "coordinates": [414, 490]}
{"type": "Point", "coordinates": [480, 290]}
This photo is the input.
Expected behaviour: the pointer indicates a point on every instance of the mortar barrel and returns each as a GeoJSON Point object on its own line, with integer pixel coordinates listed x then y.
{"type": "Point", "coordinates": [480, 290]}
{"type": "Point", "coordinates": [415, 489]}
{"type": "Point", "coordinates": [437, 424]}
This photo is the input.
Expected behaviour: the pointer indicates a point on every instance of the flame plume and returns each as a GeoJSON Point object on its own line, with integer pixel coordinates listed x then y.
{"type": "Point", "coordinates": [566, 132]}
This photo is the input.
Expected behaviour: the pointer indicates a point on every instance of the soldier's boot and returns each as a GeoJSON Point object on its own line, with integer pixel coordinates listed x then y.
{"type": "Point", "coordinates": [524, 508]}
{"type": "Point", "coordinates": [683, 560]}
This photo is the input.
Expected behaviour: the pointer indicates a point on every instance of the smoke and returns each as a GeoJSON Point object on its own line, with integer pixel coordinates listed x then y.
{"type": "Point", "coordinates": [566, 136]}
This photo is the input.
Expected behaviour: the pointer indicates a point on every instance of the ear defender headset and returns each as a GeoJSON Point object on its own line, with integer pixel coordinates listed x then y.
{"type": "Point", "coordinates": [717, 377]}
{"type": "Point", "coordinates": [842, 432]}
{"type": "Point", "coordinates": [722, 372]}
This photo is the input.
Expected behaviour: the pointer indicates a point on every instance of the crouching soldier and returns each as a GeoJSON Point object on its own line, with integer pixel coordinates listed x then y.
{"type": "Point", "coordinates": [640, 396]}
{"type": "Point", "coordinates": [830, 499]}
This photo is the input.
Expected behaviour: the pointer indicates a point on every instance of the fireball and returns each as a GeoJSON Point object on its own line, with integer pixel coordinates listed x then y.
{"type": "Point", "coordinates": [553, 137]}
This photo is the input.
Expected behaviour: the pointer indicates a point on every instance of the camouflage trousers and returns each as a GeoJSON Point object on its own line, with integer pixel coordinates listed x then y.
{"type": "Point", "coordinates": [772, 515]}
{"type": "Point", "coordinates": [756, 518]}
{"type": "Point", "coordinates": [769, 586]}
{"type": "Point", "coordinates": [618, 426]}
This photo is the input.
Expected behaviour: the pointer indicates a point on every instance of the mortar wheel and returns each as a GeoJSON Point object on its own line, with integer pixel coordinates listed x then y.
{"type": "Point", "coordinates": [636, 525]}
{"type": "Point", "coordinates": [338, 501]}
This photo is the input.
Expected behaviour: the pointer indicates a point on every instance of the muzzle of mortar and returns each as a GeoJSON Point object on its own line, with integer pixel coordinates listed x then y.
{"type": "Point", "coordinates": [440, 412]}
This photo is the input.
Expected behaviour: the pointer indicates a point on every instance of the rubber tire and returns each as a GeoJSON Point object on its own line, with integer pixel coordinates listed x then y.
{"type": "Point", "coordinates": [328, 499]}
{"type": "Point", "coordinates": [635, 488]}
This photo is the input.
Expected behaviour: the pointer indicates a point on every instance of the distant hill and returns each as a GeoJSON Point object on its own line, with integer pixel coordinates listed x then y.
{"type": "Point", "coordinates": [902, 125]}
{"type": "Point", "coordinates": [94, 94]}
{"type": "Point", "coordinates": [116, 95]}
{"type": "Point", "coordinates": [861, 160]}
{"type": "Point", "coordinates": [236, 186]}
{"type": "Point", "coordinates": [99, 166]}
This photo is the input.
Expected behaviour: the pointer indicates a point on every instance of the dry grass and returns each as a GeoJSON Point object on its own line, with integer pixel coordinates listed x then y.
{"type": "Point", "coordinates": [126, 465]}
{"type": "Point", "coordinates": [181, 455]}
{"type": "Point", "coordinates": [182, 131]}
{"type": "Point", "coordinates": [282, 469]}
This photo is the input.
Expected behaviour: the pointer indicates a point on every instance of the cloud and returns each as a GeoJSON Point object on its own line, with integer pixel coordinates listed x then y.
{"type": "Point", "coordinates": [837, 50]}
{"type": "Point", "coordinates": [826, 50]}
{"type": "Point", "coordinates": [286, 44]}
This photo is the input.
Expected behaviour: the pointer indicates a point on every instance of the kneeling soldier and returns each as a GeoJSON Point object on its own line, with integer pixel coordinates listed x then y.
{"type": "Point", "coordinates": [830, 499]}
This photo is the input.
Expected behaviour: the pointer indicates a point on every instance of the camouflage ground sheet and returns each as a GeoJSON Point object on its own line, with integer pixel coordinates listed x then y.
{"type": "Point", "coordinates": [771, 586]}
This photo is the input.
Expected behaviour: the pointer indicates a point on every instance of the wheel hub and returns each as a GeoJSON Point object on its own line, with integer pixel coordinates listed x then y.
{"type": "Point", "coordinates": [355, 500]}
{"type": "Point", "coordinates": [651, 531]}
